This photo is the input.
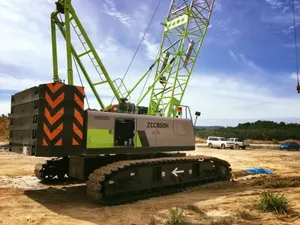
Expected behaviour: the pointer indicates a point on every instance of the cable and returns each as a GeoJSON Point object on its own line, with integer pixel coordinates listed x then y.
{"type": "Point", "coordinates": [87, 101]}
{"type": "Point", "coordinates": [295, 36]}
{"type": "Point", "coordinates": [145, 32]}
{"type": "Point", "coordinates": [144, 86]}
{"type": "Point", "coordinates": [146, 80]}
{"type": "Point", "coordinates": [142, 39]}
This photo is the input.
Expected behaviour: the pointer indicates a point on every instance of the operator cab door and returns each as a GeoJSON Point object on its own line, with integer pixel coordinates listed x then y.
{"type": "Point", "coordinates": [124, 132]}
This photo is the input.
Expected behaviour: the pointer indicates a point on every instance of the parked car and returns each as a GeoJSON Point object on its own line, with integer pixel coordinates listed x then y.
{"type": "Point", "coordinates": [218, 142]}
{"type": "Point", "coordinates": [238, 143]}
{"type": "Point", "coordinates": [290, 146]}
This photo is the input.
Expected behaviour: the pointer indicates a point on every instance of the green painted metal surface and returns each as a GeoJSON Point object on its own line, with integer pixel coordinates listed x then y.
{"type": "Point", "coordinates": [137, 140]}
{"type": "Point", "coordinates": [54, 47]}
{"type": "Point", "coordinates": [184, 31]}
{"type": "Point", "coordinates": [72, 22]}
{"type": "Point", "coordinates": [100, 138]}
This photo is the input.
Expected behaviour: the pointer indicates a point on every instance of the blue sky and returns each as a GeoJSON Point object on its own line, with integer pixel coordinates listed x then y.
{"type": "Point", "coordinates": [245, 70]}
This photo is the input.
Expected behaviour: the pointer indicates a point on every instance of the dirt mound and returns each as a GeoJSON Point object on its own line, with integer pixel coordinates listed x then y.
{"type": "Point", "coordinates": [271, 142]}
{"type": "Point", "coordinates": [4, 128]}
{"type": "Point", "coordinates": [200, 140]}
{"type": "Point", "coordinates": [266, 180]}
{"type": "Point", "coordinates": [275, 181]}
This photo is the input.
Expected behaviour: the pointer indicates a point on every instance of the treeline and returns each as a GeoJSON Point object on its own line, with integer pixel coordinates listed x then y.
{"type": "Point", "coordinates": [259, 130]}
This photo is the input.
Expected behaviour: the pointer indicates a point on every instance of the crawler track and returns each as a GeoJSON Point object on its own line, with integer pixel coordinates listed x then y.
{"type": "Point", "coordinates": [131, 180]}
{"type": "Point", "coordinates": [54, 169]}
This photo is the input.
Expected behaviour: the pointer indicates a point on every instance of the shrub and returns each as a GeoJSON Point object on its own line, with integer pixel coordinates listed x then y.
{"type": "Point", "coordinates": [273, 202]}
{"type": "Point", "coordinates": [176, 217]}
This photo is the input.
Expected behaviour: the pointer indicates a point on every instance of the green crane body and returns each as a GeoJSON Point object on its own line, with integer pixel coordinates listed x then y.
{"type": "Point", "coordinates": [184, 30]}
{"type": "Point", "coordinates": [71, 20]}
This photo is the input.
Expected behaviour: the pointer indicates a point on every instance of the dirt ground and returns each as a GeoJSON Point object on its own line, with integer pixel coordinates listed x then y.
{"type": "Point", "coordinates": [23, 200]}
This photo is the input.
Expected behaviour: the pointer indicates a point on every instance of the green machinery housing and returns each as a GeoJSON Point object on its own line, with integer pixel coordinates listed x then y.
{"type": "Point", "coordinates": [124, 149]}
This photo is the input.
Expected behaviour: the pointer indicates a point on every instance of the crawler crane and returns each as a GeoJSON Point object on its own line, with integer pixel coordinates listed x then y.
{"type": "Point", "coordinates": [123, 151]}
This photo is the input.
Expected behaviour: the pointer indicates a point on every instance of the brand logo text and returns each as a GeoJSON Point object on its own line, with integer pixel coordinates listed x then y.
{"type": "Point", "coordinates": [157, 125]}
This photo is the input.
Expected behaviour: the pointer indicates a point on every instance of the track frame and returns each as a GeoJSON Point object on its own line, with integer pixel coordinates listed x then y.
{"type": "Point", "coordinates": [131, 180]}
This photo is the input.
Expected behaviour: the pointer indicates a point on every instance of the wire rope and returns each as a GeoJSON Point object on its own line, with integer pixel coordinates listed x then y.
{"type": "Point", "coordinates": [87, 101]}
{"type": "Point", "coordinates": [296, 47]}
{"type": "Point", "coordinates": [140, 43]}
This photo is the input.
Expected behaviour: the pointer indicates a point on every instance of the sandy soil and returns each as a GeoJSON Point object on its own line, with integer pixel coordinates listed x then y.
{"type": "Point", "coordinates": [23, 200]}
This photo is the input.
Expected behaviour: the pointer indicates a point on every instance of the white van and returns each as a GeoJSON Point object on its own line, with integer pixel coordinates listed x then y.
{"type": "Point", "coordinates": [218, 142]}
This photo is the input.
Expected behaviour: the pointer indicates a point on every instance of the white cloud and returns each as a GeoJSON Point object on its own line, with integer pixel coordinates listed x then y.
{"type": "Point", "coordinates": [283, 15]}
{"type": "Point", "coordinates": [110, 9]}
{"type": "Point", "coordinates": [248, 65]}
{"type": "Point", "coordinates": [8, 82]}
{"type": "Point", "coordinates": [294, 76]}
{"type": "Point", "coordinates": [109, 46]}
{"type": "Point", "coordinates": [24, 34]}
{"type": "Point", "coordinates": [217, 6]}
{"type": "Point", "coordinates": [152, 47]}
{"type": "Point", "coordinates": [226, 27]}
{"type": "Point", "coordinates": [291, 45]}
{"type": "Point", "coordinates": [283, 5]}
{"type": "Point", "coordinates": [230, 98]}
{"type": "Point", "coordinates": [275, 3]}
{"type": "Point", "coordinates": [216, 98]}
{"type": "Point", "coordinates": [232, 55]}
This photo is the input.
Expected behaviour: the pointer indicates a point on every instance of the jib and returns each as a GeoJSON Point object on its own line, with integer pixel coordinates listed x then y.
{"type": "Point", "coordinates": [157, 125]}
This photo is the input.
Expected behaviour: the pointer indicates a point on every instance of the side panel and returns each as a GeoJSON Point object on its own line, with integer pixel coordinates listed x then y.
{"type": "Point", "coordinates": [100, 138]}
{"type": "Point", "coordinates": [153, 134]}
{"type": "Point", "coordinates": [165, 133]}
{"type": "Point", "coordinates": [146, 132]}
{"type": "Point", "coordinates": [157, 132]}
{"type": "Point", "coordinates": [183, 133]}
{"type": "Point", "coordinates": [100, 131]}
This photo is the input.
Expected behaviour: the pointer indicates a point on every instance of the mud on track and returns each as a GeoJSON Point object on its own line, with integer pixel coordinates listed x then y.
{"type": "Point", "coordinates": [23, 200]}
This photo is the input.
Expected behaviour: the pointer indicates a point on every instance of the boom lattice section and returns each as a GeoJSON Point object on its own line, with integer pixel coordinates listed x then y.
{"type": "Point", "coordinates": [71, 21]}
{"type": "Point", "coordinates": [183, 35]}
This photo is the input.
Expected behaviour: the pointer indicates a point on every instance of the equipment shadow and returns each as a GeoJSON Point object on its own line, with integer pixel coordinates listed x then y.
{"type": "Point", "coordinates": [73, 201]}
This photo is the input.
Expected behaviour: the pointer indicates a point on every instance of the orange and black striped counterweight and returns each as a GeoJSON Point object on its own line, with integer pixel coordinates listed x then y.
{"type": "Point", "coordinates": [48, 120]}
